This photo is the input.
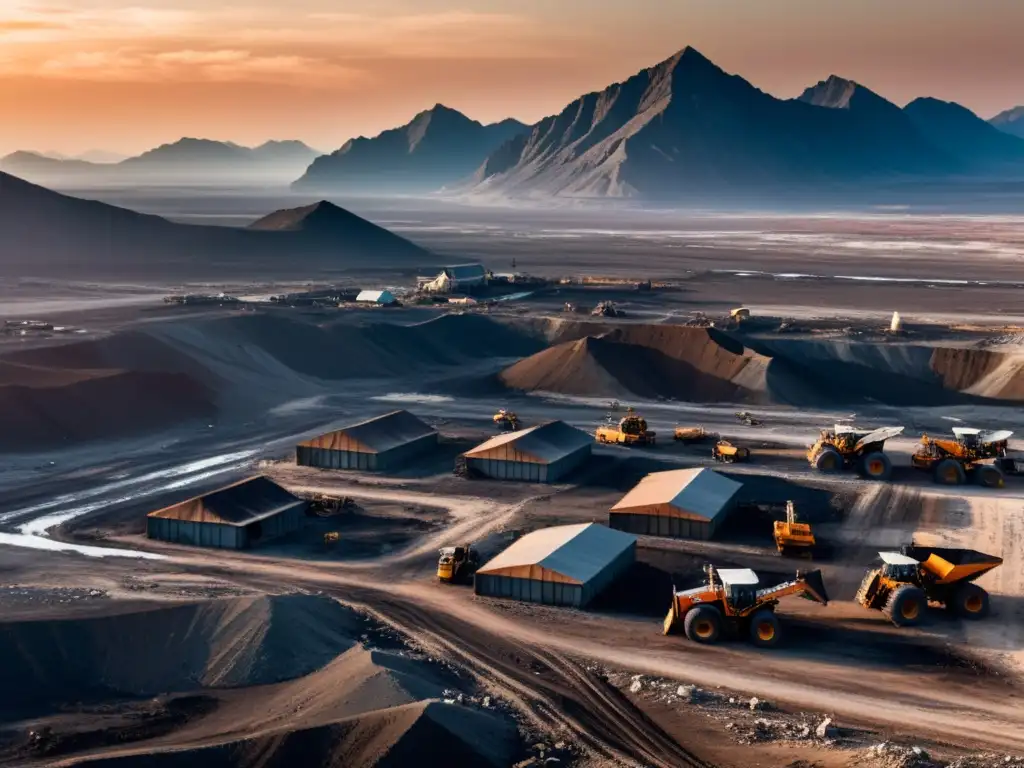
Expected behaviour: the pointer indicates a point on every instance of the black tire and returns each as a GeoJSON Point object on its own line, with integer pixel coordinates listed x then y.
{"type": "Point", "coordinates": [828, 460]}
{"type": "Point", "coordinates": [950, 472]}
{"type": "Point", "coordinates": [765, 629]}
{"type": "Point", "coordinates": [988, 476]}
{"type": "Point", "coordinates": [703, 624]}
{"type": "Point", "coordinates": [906, 606]}
{"type": "Point", "coordinates": [876, 466]}
{"type": "Point", "coordinates": [970, 602]}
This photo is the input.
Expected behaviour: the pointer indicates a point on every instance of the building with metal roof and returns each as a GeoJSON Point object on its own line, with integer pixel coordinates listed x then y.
{"type": "Point", "coordinates": [460, 277]}
{"type": "Point", "coordinates": [541, 454]}
{"type": "Point", "coordinates": [681, 503]}
{"type": "Point", "coordinates": [376, 297]}
{"type": "Point", "coordinates": [235, 517]}
{"type": "Point", "coordinates": [564, 565]}
{"type": "Point", "coordinates": [378, 444]}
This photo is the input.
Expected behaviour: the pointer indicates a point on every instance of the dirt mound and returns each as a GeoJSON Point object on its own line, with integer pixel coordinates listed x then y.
{"type": "Point", "coordinates": [425, 733]}
{"type": "Point", "coordinates": [215, 644]}
{"type": "Point", "coordinates": [672, 361]}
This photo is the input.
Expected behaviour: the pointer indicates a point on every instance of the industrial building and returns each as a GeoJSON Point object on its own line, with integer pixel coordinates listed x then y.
{"type": "Point", "coordinates": [565, 565]}
{"type": "Point", "coordinates": [236, 517]}
{"type": "Point", "coordinates": [383, 298]}
{"type": "Point", "coordinates": [540, 454]}
{"type": "Point", "coordinates": [456, 279]}
{"type": "Point", "coordinates": [378, 444]}
{"type": "Point", "coordinates": [681, 503]}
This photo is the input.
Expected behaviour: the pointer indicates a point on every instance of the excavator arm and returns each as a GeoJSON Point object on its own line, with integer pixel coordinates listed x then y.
{"type": "Point", "coordinates": [809, 584]}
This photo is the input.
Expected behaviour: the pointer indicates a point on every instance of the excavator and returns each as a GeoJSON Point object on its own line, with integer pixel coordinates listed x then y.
{"type": "Point", "coordinates": [457, 565]}
{"type": "Point", "coordinates": [793, 538]}
{"type": "Point", "coordinates": [506, 420]}
{"type": "Point", "coordinates": [849, 447]}
{"type": "Point", "coordinates": [971, 455]}
{"type": "Point", "coordinates": [631, 430]}
{"type": "Point", "coordinates": [729, 602]}
{"type": "Point", "coordinates": [908, 580]}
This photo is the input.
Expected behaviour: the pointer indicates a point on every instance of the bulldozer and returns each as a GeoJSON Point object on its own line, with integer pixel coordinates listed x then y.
{"type": "Point", "coordinates": [505, 420]}
{"type": "Point", "coordinates": [631, 430]}
{"type": "Point", "coordinates": [793, 538]}
{"type": "Point", "coordinates": [457, 565]}
{"type": "Point", "coordinates": [908, 580]}
{"type": "Point", "coordinates": [692, 434]}
{"type": "Point", "coordinates": [729, 602]}
{"type": "Point", "coordinates": [971, 455]}
{"type": "Point", "coordinates": [332, 537]}
{"type": "Point", "coordinates": [848, 447]}
{"type": "Point", "coordinates": [729, 453]}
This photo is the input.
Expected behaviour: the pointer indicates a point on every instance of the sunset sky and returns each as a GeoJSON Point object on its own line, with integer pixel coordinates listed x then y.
{"type": "Point", "coordinates": [125, 75]}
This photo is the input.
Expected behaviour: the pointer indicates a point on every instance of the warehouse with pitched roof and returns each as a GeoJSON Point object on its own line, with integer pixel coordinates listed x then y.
{"type": "Point", "coordinates": [235, 517]}
{"type": "Point", "coordinates": [378, 444]}
{"type": "Point", "coordinates": [539, 454]}
{"type": "Point", "coordinates": [681, 503]}
{"type": "Point", "coordinates": [565, 565]}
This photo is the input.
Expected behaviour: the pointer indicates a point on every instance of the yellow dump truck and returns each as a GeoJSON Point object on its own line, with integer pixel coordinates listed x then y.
{"type": "Point", "coordinates": [972, 454]}
{"type": "Point", "coordinates": [631, 430]}
{"type": "Point", "coordinates": [848, 447]}
{"type": "Point", "coordinates": [729, 453]}
{"type": "Point", "coordinates": [729, 602]}
{"type": "Point", "coordinates": [910, 579]}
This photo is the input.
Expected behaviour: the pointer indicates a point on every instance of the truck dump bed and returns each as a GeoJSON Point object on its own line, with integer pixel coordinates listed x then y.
{"type": "Point", "coordinates": [951, 565]}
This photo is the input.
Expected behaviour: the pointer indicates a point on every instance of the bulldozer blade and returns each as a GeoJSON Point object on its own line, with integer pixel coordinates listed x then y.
{"type": "Point", "coordinates": [816, 586]}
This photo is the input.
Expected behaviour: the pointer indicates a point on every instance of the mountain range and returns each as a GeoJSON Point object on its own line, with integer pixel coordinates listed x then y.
{"type": "Point", "coordinates": [437, 147]}
{"type": "Point", "coordinates": [684, 128]}
{"type": "Point", "coordinates": [191, 161]}
{"type": "Point", "coordinates": [46, 233]}
{"type": "Point", "coordinates": [1011, 121]}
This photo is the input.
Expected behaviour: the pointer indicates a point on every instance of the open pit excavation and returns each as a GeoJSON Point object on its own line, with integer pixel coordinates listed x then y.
{"type": "Point", "coordinates": [240, 559]}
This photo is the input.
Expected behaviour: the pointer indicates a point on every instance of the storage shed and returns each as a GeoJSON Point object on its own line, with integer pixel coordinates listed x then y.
{"type": "Point", "coordinates": [564, 565]}
{"type": "Point", "coordinates": [236, 517]}
{"type": "Point", "coordinates": [376, 297]}
{"type": "Point", "coordinates": [540, 454]}
{"type": "Point", "coordinates": [378, 444]}
{"type": "Point", "coordinates": [681, 503]}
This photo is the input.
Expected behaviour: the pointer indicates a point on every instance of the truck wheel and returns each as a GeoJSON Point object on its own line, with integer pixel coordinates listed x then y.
{"type": "Point", "coordinates": [970, 601]}
{"type": "Point", "coordinates": [876, 466]}
{"type": "Point", "coordinates": [703, 624]}
{"type": "Point", "coordinates": [828, 460]}
{"type": "Point", "coordinates": [765, 629]}
{"type": "Point", "coordinates": [906, 606]}
{"type": "Point", "coordinates": [989, 476]}
{"type": "Point", "coordinates": [949, 472]}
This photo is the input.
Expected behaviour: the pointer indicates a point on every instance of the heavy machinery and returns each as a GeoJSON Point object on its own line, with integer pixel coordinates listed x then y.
{"type": "Point", "coordinates": [631, 430]}
{"type": "Point", "coordinates": [729, 453]}
{"type": "Point", "coordinates": [745, 417]}
{"type": "Point", "coordinates": [910, 579]}
{"type": "Point", "coordinates": [457, 565]}
{"type": "Point", "coordinates": [322, 505]}
{"type": "Point", "coordinates": [793, 538]}
{"type": "Point", "coordinates": [849, 447]}
{"type": "Point", "coordinates": [332, 537]}
{"type": "Point", "coordinates": [729, 602]}
{"type": "Point", "coordinates": [692, 434]}
{"type": "Point", "coordinates": [506, 420]}
{"type": "Point", "coordinates": [971, 455]}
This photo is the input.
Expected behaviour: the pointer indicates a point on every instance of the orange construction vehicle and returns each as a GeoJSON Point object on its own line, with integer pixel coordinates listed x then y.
{"type": "Point", "coordinates": [729, 602]}
{"type": "Point", "coordinates": [631, 430]}
{"type": "Point", "coordinates": [971, 455]}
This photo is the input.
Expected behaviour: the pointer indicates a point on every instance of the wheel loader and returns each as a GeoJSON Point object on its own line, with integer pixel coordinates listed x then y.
{"type": "Point", "coordinates": [908, 580]}
{"type": "Point", "coordinates": [457, 565]}
{"type": "Point", "coordinates": [971, 455]}
{"type": "Point", "coordinates": [729, 602]}
{"type": "Point", "coordinates": [506, 420]}
{"type": "Point", "coordinates": [793, 538]}
{"type": "Point", "coordinates": [729, 453]}
{"type": "Point", "coordinates": [631, 430]}
{"type": "Point", "coordinates": [847, 447]}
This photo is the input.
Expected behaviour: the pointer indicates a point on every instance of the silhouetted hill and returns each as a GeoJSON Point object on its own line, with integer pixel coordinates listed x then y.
{"type": "Point", "coordinates": [46, 233]}
{"type": "Point", "coordinates": [1011, 121]}
{"type": "Point", "coordinates": [961, 133]}
{"type": "Point", "coordinates": [437, 147]}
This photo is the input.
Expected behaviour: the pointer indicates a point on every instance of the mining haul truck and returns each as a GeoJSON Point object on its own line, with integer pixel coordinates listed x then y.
{"type": "Point", "coordinates": [910, 579]}
{"type": "Point", "coordinates": [971, 455]}
{"type": "Point", "coordinates": [729, 453]}
{"type": "Point", "coordinates": [631, 430]}
{"type": "Point", "coordinates": [457, 565]}
{"type": "Point", "coordinates": [729, 602]}
{"type": "Point", "coordinates": [847, 447]}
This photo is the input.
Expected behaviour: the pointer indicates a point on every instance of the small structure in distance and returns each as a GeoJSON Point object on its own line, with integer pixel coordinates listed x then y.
{"type": "Point", "coordinates": [460, 278]}
{"type": "Point", "coordinates": [380, 298]}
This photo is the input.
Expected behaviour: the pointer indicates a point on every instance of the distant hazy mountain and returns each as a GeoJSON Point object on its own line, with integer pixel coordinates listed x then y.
{"type": "Point", "coordinates": [685, 128]}
{"type": "Point", "coordinates": [1011, 121]}
{"type": "Point", "coordinates": [437, 147]}
{"type": "Point", "coordinates": [44, 233]}
{"type": "Point", "coordinates": [100, 156]}
{"type": "Point", "coordinates": [961, 133]}
{"type": "Point", "coordinates": [186, 161]}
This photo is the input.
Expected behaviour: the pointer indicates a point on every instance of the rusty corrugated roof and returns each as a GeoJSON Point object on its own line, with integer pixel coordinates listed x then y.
{"type": "Point", "coordinates": [380, 433]}
{"type": "Point", "coordinates": [245, 502]}
{"type": "Point", "coordinates": [545, 442]}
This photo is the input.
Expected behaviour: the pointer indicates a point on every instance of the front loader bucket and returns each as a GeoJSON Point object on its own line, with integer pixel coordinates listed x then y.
{"type": "Point", "coordinates": [815, 584]}
{"type": "Point", "coordinates": [670, 626]}
{"type": "Point", "coordinates": [951, 564]}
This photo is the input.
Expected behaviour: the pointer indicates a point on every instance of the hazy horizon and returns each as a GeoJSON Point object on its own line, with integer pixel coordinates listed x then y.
{"type": "Point", "coordinates": [125, 77]}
